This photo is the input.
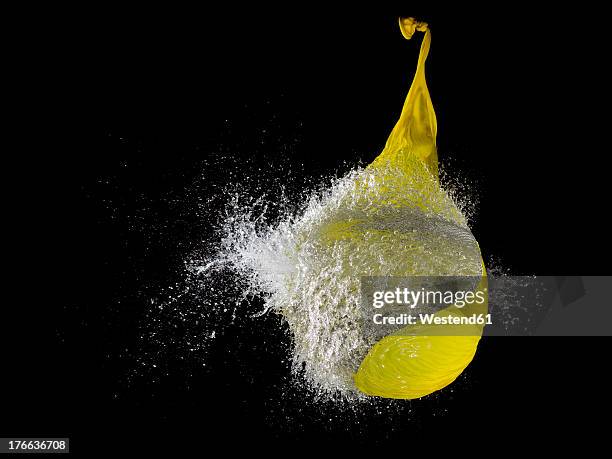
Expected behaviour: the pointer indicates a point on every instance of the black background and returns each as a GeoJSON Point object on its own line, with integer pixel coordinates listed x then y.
{"type": "Point", "coordinates": [149, 94]}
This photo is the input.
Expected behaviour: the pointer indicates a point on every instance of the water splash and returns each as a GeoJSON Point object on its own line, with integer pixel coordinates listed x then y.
{"type": "Point", "coordinates": [278, 256]}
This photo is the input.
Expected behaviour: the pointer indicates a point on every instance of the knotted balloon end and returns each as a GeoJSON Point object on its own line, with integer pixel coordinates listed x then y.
{"type": "Point", "coordinates": [409, 26]}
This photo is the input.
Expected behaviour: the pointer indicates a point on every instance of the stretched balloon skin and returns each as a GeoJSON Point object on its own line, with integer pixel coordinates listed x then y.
{"type": "Point", "coordinates": [417, 126]}
{"type": "Point", "coordinates": [411, 363]}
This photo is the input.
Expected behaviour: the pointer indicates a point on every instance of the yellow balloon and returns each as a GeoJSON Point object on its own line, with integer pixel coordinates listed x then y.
{"type": "Point", "coordinates": [400, 213]}
{"type": "Point", "coordinates": [406, 365]}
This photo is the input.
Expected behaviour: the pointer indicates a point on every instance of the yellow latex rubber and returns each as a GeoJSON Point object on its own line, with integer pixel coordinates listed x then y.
{"type": "Point", "coordinates": [419, 360]}
{"type": "Point", "coordinates": [408, 365]}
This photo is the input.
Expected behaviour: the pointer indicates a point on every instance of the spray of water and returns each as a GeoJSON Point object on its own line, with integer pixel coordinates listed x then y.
{"type": "Point", "coordinates": [285, 258]}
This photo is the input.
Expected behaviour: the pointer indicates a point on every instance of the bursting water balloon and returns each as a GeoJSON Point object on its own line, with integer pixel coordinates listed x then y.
{"type": "Point", "coordinates": [392, 218]}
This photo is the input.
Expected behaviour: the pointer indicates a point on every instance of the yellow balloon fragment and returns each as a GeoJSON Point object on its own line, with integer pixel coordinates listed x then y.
{"type": "Point", "coordinates": [400, 222]}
